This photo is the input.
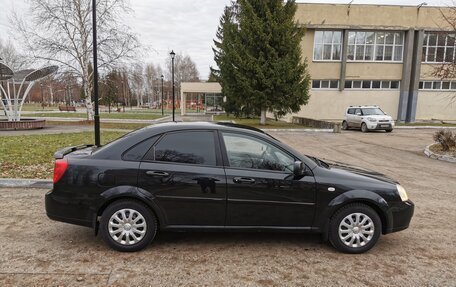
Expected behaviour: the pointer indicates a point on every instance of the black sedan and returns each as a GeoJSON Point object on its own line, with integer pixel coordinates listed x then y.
{"type": "Point", "coordinates": [203, 176]}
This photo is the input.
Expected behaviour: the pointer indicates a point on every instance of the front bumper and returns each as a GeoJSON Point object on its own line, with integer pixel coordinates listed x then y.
{"type": "Point", "coordinates": [401, 215]}
{"type": "Point", "coordinates": [379, 126]}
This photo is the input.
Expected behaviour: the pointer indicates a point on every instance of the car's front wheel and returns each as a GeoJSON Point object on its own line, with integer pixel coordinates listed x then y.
{"type": "Point", "coordinates": [364, 128]}
{"type": "Point", "coordinates": [389, 130]}
{"type": "Point", "coordinates": [344, 125]}
{"type": "Point", "coordinates": [128, 225]}
{"type": "Point", "coordinates": [355, 228]}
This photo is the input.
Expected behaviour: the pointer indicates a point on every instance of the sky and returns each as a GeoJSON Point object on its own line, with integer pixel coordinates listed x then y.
{"type": "Point", "coordinates": [185, 26]}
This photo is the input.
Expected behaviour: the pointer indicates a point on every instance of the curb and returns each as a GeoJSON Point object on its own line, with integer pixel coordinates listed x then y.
{"type": "Point", "coordinates": [27, 183]}
{"type": "Point", "coordinates": [433, 155]}
{"type": "Point", "coordinates": [300, 130]}
{"type": "Point", "coordinates": [424, 127]}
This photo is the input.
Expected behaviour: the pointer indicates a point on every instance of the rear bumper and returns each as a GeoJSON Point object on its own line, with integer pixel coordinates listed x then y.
{"type": "Point", "coordinates": [401, 215]}
{"type": "Point", "coordinates": [59, 209]}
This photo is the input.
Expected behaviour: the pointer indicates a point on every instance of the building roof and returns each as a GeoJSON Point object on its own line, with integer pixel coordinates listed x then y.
{"type": "Point", "coordinates": [373, 16]}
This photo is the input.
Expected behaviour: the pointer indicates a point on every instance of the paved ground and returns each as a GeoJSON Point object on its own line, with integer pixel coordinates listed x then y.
{"type": "Point", "coordinates": [38, 252]}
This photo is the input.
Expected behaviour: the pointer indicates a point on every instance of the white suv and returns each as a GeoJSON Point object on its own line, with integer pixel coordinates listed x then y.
{"type": "Point", "coordinates": [367, 118]}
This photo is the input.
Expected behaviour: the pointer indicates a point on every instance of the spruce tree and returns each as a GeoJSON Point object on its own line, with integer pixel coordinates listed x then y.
{"type": "Point", "coordinates": [259, 59]}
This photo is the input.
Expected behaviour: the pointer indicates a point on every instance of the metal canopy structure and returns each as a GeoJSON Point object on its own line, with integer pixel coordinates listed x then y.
{"type": "Point", "coordinates": [18, 86]}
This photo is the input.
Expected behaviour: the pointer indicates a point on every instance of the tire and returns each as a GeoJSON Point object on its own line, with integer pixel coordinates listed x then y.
{"type": "Point", "coordinates": [389, 130]}
{"type": "Point", "coordinates": [364, 128]}
{"type": "Point", "coordinates": [346, 235]}
{"type": "Point", "coordinates": [344, 125]}
{"type": "Point", "coordinates": [124, 236]}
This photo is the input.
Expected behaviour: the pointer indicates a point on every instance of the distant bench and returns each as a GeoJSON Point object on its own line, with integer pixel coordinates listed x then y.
{"type": "Point", "coordinates": [67, 109]}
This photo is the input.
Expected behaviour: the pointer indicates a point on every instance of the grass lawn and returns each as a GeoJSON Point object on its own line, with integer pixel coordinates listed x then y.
{"type": "Point", "coordinates": [37, 107]}
{"type": "Point", "coordinates": [32, 156]}
{"type": "Point", "coordinates": [255, 122]}
{"type": "Point", "coordinates": [115, 115]}
{"type": "Point", "coordinates": [103, 125]}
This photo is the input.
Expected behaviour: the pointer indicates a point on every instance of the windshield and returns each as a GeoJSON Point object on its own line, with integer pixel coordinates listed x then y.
{"type": "Point", "coordinates": [373, 112]}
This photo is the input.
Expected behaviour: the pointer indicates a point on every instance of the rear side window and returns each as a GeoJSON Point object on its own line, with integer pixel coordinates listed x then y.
{"type": "Point", "coordinates": [191, 147]}
{"type": "Point", "coordinates": [358, 111]}
{"type": "Point", "coordinates": [351, 111]}
{"type": "Point", "coordinates": [137, 152]}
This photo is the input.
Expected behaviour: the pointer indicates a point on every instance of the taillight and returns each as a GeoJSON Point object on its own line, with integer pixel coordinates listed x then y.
{"type": "Point", "coordinates": [60, 167]}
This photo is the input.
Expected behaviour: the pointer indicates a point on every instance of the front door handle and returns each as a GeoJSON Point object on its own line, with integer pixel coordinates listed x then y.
{"type": "Point", "coordinates": [244, 180]}
{"type": "Point", "coordinates": [156, 173]}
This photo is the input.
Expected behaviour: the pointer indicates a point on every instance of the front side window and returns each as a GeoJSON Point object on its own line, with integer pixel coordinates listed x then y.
{"type": "Point", "coordinates": [248, 152]}
{"type": "Point", "coordinates": [327, 45]}
{"type": "Point", "coordinates": [190, 147]}
{"type": "Point", "coordinates": [375, 46]}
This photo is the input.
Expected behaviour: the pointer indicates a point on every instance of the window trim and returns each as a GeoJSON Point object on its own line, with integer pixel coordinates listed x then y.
{"type": "Point", "coordinates": [226, 161]}
{"type": "Point", "coordinates": [432, 82]}
{"type": "Point", "coordinates": [375, 45]}
{"type": "Point", "coordinates": [436, 46]}
{"type": "Point", "coordinates": [332, 46]}
{"type": "Point", "coordinates": [371, 84]}
{"type": "Point", "coordinates": [329, 84]}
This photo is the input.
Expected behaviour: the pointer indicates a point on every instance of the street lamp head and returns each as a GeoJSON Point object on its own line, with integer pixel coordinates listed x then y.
{"type": "Point", "coordinates": [172, 54]}
{"type": "Point", "coordinates": [162, 77]}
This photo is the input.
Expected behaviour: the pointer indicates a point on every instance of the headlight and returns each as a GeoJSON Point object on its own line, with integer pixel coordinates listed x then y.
{"type": "Point", "coordinates": [402, 192]}
{"type": "Point", "coordinates": [372, 119]}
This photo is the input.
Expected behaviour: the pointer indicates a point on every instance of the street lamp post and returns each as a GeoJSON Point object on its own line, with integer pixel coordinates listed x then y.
{"type": "Point", "coordinates": [96, 117]}
{"type": "Point", "coordinates": [172, 72]}
{"type": "Point", "coordinates": [162, 104]}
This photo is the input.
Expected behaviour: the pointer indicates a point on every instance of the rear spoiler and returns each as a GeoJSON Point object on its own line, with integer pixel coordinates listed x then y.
{"type": "Point", "coordinates": [61, 153]}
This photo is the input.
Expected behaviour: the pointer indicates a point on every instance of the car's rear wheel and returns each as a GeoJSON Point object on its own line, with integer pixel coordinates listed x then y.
{"type": "Point", "coordinates": [128, 225]}
{"type": "Point", "coordinates": [364, 128]}
{"type": "Point", "coordinates": [355, 228]}
{"type": "Point", "coordinates": [344, 125]}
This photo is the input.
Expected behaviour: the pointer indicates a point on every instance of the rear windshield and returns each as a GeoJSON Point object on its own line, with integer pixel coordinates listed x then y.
{"type": "Point", "coordinates": [118, 139]}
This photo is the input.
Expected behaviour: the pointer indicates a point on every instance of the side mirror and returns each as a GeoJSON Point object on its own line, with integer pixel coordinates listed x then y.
{"type": "Point", "coordinates": [298, 168]}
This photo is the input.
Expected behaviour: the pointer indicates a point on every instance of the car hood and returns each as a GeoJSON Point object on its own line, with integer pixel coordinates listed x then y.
{"type": "Point", "coordinates": [356, 173]}
{"type": "Point", "coordinates": [380, 117]}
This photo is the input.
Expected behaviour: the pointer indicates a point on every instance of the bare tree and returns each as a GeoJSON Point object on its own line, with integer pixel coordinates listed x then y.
{"type": "Point", "coordinates": [152, 75]}
{"type": "Point", "coordinates": [446, 67]}
{"type": "Point", "coordinates": [11, 57]}
{"type": "Point", "coordinates": [184, 70]}
{"type": "Point", "coordinates": [61, 32]}
{"type": "Point", "coordinates": [137, 81]}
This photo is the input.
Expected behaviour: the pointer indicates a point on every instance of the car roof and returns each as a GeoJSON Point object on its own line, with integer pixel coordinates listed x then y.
{"type": "Point", "coordinates": [171, 126]}
{"type": "Point", "coordinates": [119, 146]}
{"type": "Point", "coordinates": [362, 107]}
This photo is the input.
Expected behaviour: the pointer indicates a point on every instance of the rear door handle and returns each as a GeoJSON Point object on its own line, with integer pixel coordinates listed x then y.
{"type": "Point", "coordinates": [156, 173]}
{"type": "Point", "coordinates": [243, 180]}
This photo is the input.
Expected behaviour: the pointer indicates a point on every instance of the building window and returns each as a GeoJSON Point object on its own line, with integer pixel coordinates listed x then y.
{"type": "Point", "coordinates": [325, 84]}
{"type": "Point", "coordinates": [438, 47]}
{"type": "Point", "coordinates": [375, 46]}
{"type": "Point", "coordinates": [437, 85]}
{"type": "Point", "coordinates": [327, 45]}
{"type": "Point", "coordinates": [372, 84]}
